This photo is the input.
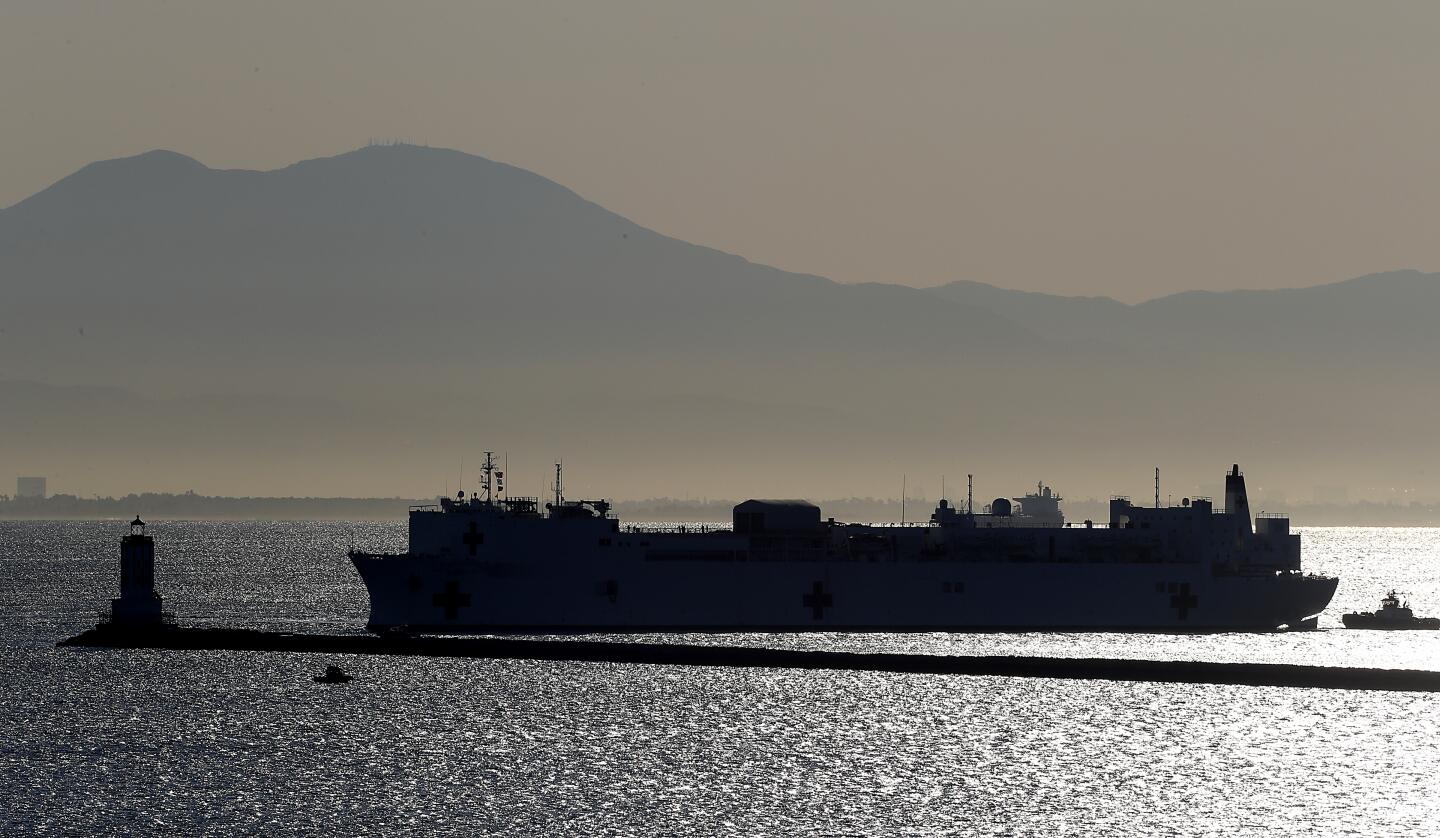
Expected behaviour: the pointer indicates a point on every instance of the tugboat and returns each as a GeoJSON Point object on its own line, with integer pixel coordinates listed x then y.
{"type": "Point", "coordinates": [334, 675]}
{"type": "Point", "coordinates": [1393, 615]}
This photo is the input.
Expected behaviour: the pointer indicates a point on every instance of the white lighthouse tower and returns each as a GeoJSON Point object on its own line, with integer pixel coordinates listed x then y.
{"type": "Point", "coordinates": [138, 603]}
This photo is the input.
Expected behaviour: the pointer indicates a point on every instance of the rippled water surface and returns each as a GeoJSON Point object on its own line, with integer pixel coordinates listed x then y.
{"type": "Point", "coordinates": [96, 741]}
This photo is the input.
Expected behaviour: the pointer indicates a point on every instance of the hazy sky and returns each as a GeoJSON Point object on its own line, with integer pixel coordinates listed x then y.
{"type": "Point", "coordinates": [1129, 149]}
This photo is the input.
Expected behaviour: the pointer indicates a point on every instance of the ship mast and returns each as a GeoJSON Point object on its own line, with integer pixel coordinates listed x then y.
{"type": "Point", "coordinates": [488, 471]}
{"type": "Point", "coordinates": [559, 484]}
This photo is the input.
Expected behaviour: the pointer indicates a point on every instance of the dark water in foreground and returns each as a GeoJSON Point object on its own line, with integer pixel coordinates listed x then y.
{"type": "Point", "coordinates": [95, 741]}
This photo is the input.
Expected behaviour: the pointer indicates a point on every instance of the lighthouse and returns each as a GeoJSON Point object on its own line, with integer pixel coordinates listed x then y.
{"type": "Point", "coordinates": [138, 604]}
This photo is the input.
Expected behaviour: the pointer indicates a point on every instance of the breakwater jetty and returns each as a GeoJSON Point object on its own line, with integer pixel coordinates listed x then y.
{"type": "Point", "coordinates": [688, 654]}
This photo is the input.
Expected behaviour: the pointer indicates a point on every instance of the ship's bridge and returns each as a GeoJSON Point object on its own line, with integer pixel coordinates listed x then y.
{"type": "Point", "coordinates": [1126, 515]}
{"type": "Point", "coordinates": [766, 516]}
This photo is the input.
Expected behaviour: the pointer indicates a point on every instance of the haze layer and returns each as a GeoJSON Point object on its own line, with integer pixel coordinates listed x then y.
{"type": "Point", "coordinates": [357, 325]}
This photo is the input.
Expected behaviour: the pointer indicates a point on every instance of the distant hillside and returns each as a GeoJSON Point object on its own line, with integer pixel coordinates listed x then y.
{"type": "Point", "coordinates": [361, 324]}
{"type": "Point", "coordinates": [412, 258]}
{"type": "Point", "coordinates": [1048, 315]}
{"type": "Point", "coordinates": [1385, 317]}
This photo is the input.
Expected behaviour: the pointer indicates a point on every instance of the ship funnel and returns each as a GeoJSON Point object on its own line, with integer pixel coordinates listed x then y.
{"type": "Point", "coordinates": [1237, 502]}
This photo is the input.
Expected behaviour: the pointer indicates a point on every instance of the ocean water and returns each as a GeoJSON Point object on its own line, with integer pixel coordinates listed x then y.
{"type": "Point", "coordinates": [144, 742]}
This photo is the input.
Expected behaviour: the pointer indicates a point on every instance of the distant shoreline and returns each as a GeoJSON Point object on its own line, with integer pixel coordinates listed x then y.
{"type": "Point", "coordinates": [193, 507]}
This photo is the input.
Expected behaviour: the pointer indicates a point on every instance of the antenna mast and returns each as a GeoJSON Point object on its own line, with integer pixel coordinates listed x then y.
{"type": "Point", "coordinates": [970, 495]}
{"type": "Point", "coordinates": [559, 485]}
{"type": "Point", "coordinates": [1157, 487]}
{"type": "Point", "coordinates": [902, 499]}
{"type": "Point", "coordinates": [488, 472]}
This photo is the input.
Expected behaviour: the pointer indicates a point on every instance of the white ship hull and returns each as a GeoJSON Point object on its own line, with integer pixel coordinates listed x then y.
{"type": "Point", "coordinates": [502, 566]}
{"type": "Point", "coordinates": [435, 594]}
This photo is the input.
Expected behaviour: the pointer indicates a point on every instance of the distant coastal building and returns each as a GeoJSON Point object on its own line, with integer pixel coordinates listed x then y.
{"type": "Point", "coordinates": [30, 487]}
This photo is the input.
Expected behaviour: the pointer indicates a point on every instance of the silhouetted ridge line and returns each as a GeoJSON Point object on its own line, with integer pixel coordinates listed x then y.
{"type": "Point", "coordinates": [429, 290]}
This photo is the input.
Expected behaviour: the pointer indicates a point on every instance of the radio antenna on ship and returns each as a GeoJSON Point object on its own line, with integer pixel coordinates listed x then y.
{"type": "Point", "coordinates": [559, 484]}
{"type": "Point", "coordinates": [970, 495]}
{"type": "Point", "coordinates": [1157, 487]}
{"type": "Point", "coordinates": [488, 472]}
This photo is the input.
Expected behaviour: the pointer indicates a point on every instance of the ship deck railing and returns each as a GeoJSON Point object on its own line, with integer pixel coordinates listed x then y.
{"type": "Point", "coordinates": [676, 529]}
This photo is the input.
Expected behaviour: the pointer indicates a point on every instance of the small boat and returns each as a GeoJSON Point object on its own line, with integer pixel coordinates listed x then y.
{"type": "Point", "coordinates": [1393, 615]}
{"type": "Point", "coordinates": [333, 675]}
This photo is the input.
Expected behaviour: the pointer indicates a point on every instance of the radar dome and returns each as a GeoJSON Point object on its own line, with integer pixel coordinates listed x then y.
{"type": "Point", "coordinates": [1000, 506]}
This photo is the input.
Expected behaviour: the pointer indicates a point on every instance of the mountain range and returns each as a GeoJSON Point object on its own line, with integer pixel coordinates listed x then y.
{"type": "Point", "coordinates": [356, 324]}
